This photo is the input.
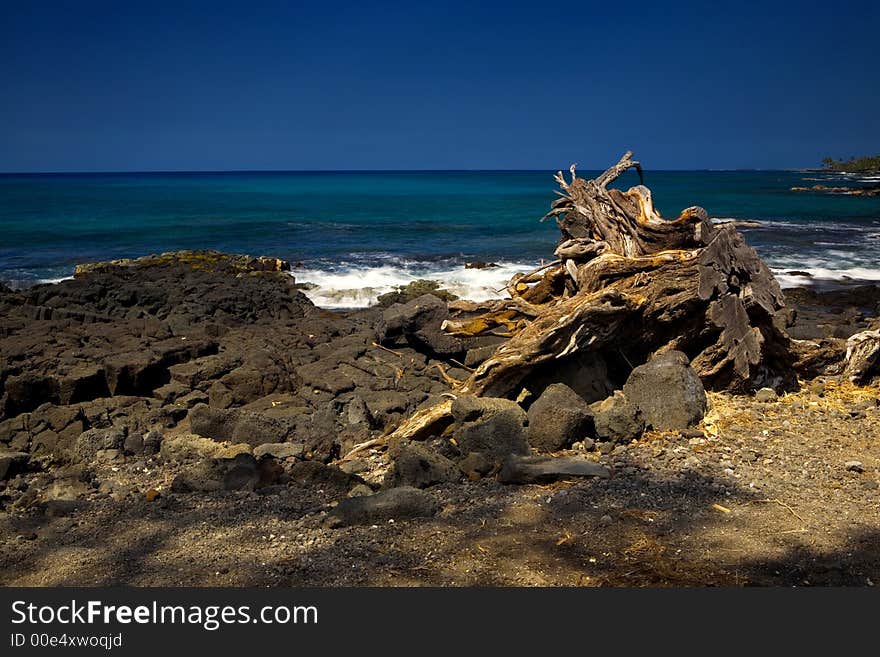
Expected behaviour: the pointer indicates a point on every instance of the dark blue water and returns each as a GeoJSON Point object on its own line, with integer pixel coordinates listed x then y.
{"type": "Point", "coordinates": [353, 230]}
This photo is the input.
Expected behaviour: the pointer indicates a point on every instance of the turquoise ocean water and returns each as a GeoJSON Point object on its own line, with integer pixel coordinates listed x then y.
{"type": "Point", "coordinates": [357, 234]}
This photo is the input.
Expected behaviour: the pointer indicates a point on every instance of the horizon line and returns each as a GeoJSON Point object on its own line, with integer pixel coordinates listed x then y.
{"type": "Point", "coordinates": [463, 170]}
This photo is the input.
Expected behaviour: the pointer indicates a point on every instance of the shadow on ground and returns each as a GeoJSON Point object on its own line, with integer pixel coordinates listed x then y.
{"type": "Point", "coordinates": [637, 528]}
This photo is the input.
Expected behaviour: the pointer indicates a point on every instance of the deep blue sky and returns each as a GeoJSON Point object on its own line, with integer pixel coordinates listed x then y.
{"type": "Point", "coordinates": [103, 86]}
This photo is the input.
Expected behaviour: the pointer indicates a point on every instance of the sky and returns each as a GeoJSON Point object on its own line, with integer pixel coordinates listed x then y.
{"type": "Point", "coordinates": [129, 86]}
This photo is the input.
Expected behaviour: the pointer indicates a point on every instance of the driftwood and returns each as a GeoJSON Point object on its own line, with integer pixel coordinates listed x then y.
{"type": "Point", "coordinates": [630, 282]}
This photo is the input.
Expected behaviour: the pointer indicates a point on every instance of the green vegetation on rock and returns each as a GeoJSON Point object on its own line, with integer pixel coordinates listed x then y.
{"type": "Point", "coordinates": [406, 293]}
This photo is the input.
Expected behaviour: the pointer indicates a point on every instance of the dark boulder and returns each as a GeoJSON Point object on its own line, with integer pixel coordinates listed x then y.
{"type": "Point", "coordinates": [326, 477]}
{"type": "Point", "coordinates": [617, 419]}
{"type": "Point", "coordinates": [495, 427]}
{"type": "Point", "coordinates": [238, 426]}
{"type": "Point", "coordinates": [544, 469]}
{"type": "Point", "coordinates": [393, 504]}
{"type": "Point", "coordinates": [26, 392]}
{"type": "Point", "coordinates": [134, 443]}
{"type": "Point", "coordinates": [475, 465]}
{"type": "Point", "coordinates": [419, 322]}
{"type": "Point", "coordinates": [419, 466]}
{"type": "Point", "coordinates": [211, 475]}
{"type": "Point", "coordinates": [667, 392]}
{"type": "Point", "coordinates": [12, 463]}
{"type": "Point", "coordinates": [558, 418]}
{"type": "Point", "coordinates": [279, 450]}
{"type": "Point", "coordinates": [92, 441]}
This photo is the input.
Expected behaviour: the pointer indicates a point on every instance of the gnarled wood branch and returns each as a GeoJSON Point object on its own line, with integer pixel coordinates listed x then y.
{"type": "Point", "coordinates": [630, 280]}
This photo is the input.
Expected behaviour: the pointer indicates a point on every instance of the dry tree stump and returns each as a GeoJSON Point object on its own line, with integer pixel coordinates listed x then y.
{"type": "Point", "coordinates": [629, 282]}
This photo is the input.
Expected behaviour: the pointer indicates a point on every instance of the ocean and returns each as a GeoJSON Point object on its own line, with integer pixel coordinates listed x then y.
{"type": "Point", "coordinates": [355, 235]}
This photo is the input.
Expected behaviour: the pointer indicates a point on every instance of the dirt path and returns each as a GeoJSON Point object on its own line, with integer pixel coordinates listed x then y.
{"type": "Point", "coordinates": [761, 495]}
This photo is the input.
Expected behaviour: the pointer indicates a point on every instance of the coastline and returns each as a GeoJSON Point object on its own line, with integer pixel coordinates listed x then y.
{"type": "Point", "coordinates": [140, 401]}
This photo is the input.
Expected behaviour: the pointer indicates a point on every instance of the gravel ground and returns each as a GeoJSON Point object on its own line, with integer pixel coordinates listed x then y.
{"type": "Point", "coordinates": [783, 492]}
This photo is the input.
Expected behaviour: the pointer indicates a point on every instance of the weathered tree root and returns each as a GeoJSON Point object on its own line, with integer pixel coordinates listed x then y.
{"type": "Point", "coordinates": [629, 281]}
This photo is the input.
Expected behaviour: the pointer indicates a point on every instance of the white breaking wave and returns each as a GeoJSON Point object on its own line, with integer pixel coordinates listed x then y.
{"type": "Point", "coordinates": [358, 287]}
{"type": "Point", "coordinates": [824, 275]}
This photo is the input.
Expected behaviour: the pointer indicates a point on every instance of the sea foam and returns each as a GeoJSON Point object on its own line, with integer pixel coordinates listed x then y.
{"type": "Point", "coordinates": [360, 286]}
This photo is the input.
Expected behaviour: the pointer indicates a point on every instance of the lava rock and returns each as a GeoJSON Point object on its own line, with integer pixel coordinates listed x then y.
{"type": "Point", "coordinates": [152, 442]}
{"type": "Point", "coordinates": [420, 321]}
{"type": "Point", "coordinates": [92, 441]}
{"type": "Point", "coordinates": [12, 463]}
{"type": "Point", "coordinates": [238, 426]}
{"type": "Point", "coordinates": [617, 419]}
{"type": "Point", "coordinates": [667, 392]}
{"type": "Point", "coordinates": [188, 446]}
{"type": "Point", "coordinates": [211, 475]}
{"type": "Point", "coordinates": [419, 466]}
{"type": "Point", "coordinates": [279, 450]}
{"type": "Point", "coordinates": [393, 504]}
{"type": "Point", "coordinates": [558, 418]}
{"type": "Point", "coordinates": [544, 469]}
{"type": "Point", "coordinates": [476, 465]}
{"type": "Point", "coordinates": [495, 427]}
{"type": "Point", "coordinates": [315, 474]}
{"type": "Point", "coordinates": [134, 443]}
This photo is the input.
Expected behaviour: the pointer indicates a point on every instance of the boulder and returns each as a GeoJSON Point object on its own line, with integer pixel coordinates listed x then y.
{"type": "Point", "coordinates": [667, 392]}
{"type": "Point", "coordinates": [237, 426]}
{"type": "Point", "coordinates": [495, 427]}
{"type": "Point", "coordinates": [475, 465]}
{"type": "Point", "coordinates": [12, 463]}
{"type": "Point", "coordinates": [152, 442]}
{"type": "Point", "coordinates": [326, 477]}
{"type": "Point", "coordinates": [188, 446]}
{"type": "Point", "coordinates": [92, 441]}
{"type": "Point", "coordinates": [318, 432]}
{"type": "Point", "coordinates": [134, 443]}
{"type": "Point", "coordinates": [558, 418]}
{"type": "Point", "coordinates": [83, 383]}
{"type": "Point", "coordinates": [211, 475]}
{"type": "Point", "coordinates": [617, 419]}
{"type": "Point", "coordinates": [358, 413]}
{"type": "Point", "coordinates": [192, 399]}
{"type": "Point", "coordinates": [420, 466]}
{"type": "Point", "coordinates": [544, 469]}
{"type": "Point", "coordinates": [170, 392]}
{"type": "Point", "coordinates": [256, 429]}
{"type": "Point", "coordinates": [476, 356]}
{"type": "Point", "coordinates": [214, 423]}
{"type": "Point", "coordinates": [209, 368]}
{"type": "Point", "coordinates": [385, 406]}
{"type": "Point", "coordinates": [279, 450]}
{"type": "Point", "coordinates": [26, 392]}
{"type": "Point", "coordinates": [393, 504]}
{"type": "Point", "coordinates": [15, 433]}
{"type": "Point", "coordinates": [419, 321]}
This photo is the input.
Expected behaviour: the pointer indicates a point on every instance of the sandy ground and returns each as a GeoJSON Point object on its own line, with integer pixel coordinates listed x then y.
{"type": "Point", "coordinates": [759, 494]}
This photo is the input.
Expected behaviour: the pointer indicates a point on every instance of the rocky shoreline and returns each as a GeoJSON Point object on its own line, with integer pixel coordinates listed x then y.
{"type": "Point", "coordinates": [171, 401]}
{"type": "Point", "coordinates": [841, 191]}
